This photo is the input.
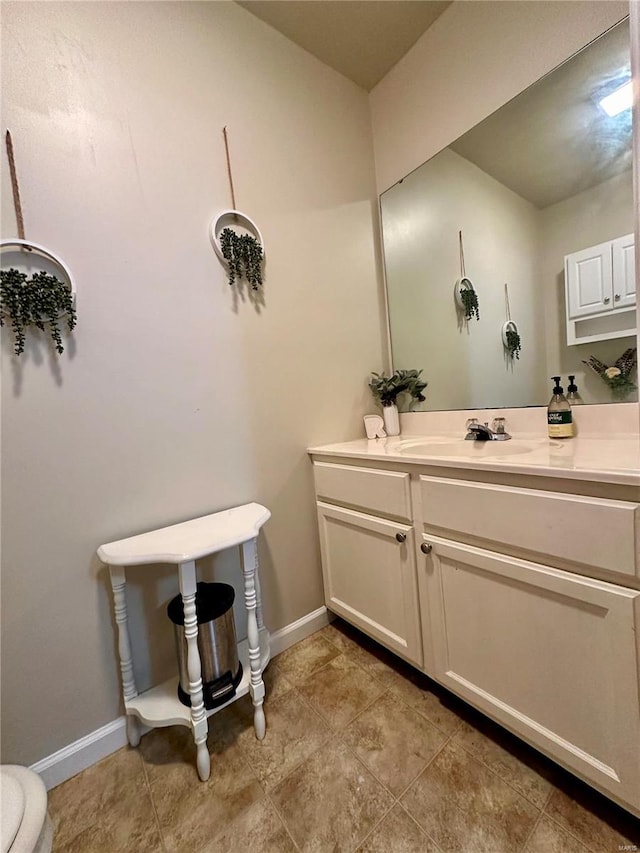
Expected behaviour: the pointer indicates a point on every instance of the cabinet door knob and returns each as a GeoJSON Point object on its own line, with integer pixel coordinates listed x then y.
{"type": "Point", "coordinates": [617, 297]}
{"type": "Point", "coordinates": [401, 537]}
{"type": "Point", "coordinates": [426, 548]}
{"type": "Point", "coordinates": [606, 300]}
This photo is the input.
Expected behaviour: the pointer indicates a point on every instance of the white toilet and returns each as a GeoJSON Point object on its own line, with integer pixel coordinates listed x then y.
{"type": "Point", "coordinates": [25, 827]}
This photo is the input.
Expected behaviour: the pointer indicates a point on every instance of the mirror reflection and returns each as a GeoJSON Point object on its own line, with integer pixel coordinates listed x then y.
{"type": "Point", "coordinates": [531, 210]}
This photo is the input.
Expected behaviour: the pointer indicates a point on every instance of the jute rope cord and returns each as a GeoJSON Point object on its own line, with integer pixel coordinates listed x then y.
{"type": "Point", "coordinates": [463, 273]}
{"type": "Point", "coordinates": [226, 148]}
{"type": "Point", "coordinates": [14, 185]}
{"type": "Point", "coordinates": [506, 299]}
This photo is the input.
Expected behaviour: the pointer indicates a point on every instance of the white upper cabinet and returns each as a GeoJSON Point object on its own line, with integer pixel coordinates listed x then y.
{"type": "Point", "coordinates": [601, 291]}
{"type": "Point", "coordinates": [624, 272]}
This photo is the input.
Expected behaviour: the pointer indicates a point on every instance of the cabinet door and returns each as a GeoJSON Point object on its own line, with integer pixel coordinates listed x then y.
{"type": "Point", "coordinates": [369, 570]}
{"type": "Point", "coordinates": [589, 281]}
{"type": "Point", "coordinates": [549, 654]}
{"type": "Point", "coordinates": [624, 272]}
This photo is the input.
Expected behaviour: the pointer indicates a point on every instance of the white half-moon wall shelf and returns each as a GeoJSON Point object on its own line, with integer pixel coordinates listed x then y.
{"type": "Point", "coordinates": [36, 248]}
{"type": "Point", "coordinates": [229, 219]}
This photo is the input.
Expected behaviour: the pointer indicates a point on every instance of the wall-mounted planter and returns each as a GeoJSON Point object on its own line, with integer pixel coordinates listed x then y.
{"type": "Point", "coordinates": [466, 298]}
{"type": "Point", "coordinates": [238, 243]}
{"type": "Point", "coordinates": [511, 339]}
{"type": "Point", "coordinates": [40, 300]}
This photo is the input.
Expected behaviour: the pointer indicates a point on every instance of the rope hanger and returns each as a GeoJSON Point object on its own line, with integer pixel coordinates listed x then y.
{"type": "Point", "coordinates": [463, 273]}
{"type": "Point", "coordinates": [14, 185]}
{"type": "Point", "coordinates": [506, 299]}
{"type": "Point", "coordinates": [226, 149]}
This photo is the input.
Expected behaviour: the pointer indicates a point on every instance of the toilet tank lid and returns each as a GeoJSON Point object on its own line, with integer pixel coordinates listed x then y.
{"type": "Point", "coordinates": [12, 809]}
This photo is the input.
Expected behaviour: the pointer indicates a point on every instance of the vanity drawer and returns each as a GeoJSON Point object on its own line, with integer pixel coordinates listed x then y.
{"type": "Point", "coordinates": [383, 492]}
{"type": "Point", "coordinates": [591, 531]}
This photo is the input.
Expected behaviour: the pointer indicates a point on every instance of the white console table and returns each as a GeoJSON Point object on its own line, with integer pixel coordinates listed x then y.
{"type": "Point", "coordinates": [181, 545]}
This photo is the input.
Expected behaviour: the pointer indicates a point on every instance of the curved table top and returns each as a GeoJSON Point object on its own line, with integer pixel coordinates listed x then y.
{"type": "Point", "coordinates": [188, 540]}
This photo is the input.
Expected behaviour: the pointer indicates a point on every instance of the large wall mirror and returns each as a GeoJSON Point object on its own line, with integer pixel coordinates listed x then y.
{"type": "Point", "coordinates": [543, 184]}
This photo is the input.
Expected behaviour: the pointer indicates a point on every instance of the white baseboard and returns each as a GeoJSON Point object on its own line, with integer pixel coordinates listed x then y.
{"type": "Point", "coordinates": [82, 753]}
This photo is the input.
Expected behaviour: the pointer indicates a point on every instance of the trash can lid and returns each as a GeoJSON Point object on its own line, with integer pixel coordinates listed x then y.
{"type": "Point", "coordinates": [212, 601]}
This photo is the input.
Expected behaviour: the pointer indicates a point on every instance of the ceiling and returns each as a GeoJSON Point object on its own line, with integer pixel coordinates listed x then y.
{"type": "Point", "coordinates": [553, 141]}
{"type": "Point", "coordinates": [362, 39]}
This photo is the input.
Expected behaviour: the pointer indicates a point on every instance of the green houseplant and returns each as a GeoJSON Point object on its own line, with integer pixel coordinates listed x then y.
{"type": "Point", "coordinates": [244, 256]}
{"type": "Point", "coordinates": [39, 301]}
{"type": "Point", "coordinates": [386, 389]}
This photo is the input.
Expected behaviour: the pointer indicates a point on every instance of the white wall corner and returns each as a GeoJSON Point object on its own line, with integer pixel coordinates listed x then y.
{"type": "Point", "coordinates": [88, 750]}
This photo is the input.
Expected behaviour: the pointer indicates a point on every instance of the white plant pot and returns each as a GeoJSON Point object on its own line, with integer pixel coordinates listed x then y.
{"type": "Point", "coordinates": [391, 419]}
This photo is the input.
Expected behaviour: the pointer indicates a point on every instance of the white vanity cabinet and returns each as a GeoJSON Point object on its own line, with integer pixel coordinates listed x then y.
{"type": "Point", "coordinates": [367, 543]}
{"type": "Point", "coordinates": [601, 292]}
{"type": "Point", "coordinates": [529, 600]}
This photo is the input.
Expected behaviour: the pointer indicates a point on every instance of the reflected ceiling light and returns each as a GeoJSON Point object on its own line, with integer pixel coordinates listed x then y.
{"type": "Point", "coordinates": [620, 99]}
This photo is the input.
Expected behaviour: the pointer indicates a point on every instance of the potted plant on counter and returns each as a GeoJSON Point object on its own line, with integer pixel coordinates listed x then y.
{"type": "Point", "coordinates": [387, 389]}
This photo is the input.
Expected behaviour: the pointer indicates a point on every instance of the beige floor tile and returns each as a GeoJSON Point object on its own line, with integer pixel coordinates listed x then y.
{"type": "Point", "coordinates": [302, 660]}
{"type": "Point", "coordinates": [394, 741]}
{"type": "Point", "coordinates": [595, 821]}
{"type": "Point", "coordinates": [192, 812]}
{"type": "Point", "coordinates": [294, 732]}
{"type": "Point", "coordinates": [548, 837]}
{"type": "Point", "coordinates": [340, 690]}
{"type": "Point", "coordinates": [129, 828]}
{"type": "Point", "coordinates": [462, 805]}
{"type": "Point", "coordinates": [276, 683]}
{"type": "Point", "coordinates": [340, 635]}
{"type": "Point", "coordinates": [439, 707]}
{"type": "Point", "coordinates": [258, 829]}
{"type": "Point", "coordinates": [98, 793]}
{"type": "Point", "coordinates": [331, 801]}
{"type": "Point", "coordinates": [491, 746]}
{"type": "Point", "coordinates": [398, 833]}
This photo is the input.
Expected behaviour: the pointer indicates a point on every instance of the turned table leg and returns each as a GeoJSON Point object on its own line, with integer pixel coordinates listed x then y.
{"type": "Point", "coordinates": [118, 585]}
{"type": "Point", "coordinates": [187, 573]}
{"type": "Point", "coordinates": [249, 559]}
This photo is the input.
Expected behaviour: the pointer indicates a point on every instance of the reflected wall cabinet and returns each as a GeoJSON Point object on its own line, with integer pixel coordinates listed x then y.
{"type": "Point", "coordinates": [601, 292]}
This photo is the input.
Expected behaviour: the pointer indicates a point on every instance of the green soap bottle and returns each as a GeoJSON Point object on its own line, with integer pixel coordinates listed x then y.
{"type": "Point", "coordinates": [559, 417]}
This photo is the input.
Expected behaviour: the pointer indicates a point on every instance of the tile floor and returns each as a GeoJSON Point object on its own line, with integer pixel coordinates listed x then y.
{"type": "Point", "coordinates": [361, 754]}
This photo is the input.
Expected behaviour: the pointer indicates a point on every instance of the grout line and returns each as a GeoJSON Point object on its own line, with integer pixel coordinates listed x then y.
{"type": "Point", "coordinates": [282, 820]}
{"type": "Point", "coordinates": [530, 835]}
{"type": "Point", "coordinates": [374, 827]}
{"type": "Point", "coordinates": [421, 828]}
{"type": "Point", "coordinates": [502, 779]}
{"type": "Point", "coordinates": [153, 802]}
{"type": "Point", "coordinates": [568, 831]}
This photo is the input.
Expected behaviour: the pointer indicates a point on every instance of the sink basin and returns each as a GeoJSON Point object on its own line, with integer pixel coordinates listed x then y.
{"type": "Point", "coordinates": [467, 449]}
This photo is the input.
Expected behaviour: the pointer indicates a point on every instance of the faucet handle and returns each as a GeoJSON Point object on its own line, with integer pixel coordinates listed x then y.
{"type": "Point", "coordinates": [470, 421]}
{"type": "Point", "coordinates": [499, 425]}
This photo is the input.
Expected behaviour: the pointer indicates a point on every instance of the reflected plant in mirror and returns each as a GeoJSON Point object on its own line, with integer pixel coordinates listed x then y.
{"type": "Point", "coordinates": [543, 191]}
{"type": "Point", "coordinates": [618, 376]}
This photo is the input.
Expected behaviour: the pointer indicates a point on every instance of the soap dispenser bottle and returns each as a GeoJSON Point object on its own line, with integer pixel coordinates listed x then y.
{"type": "Point", "coordinates": [573, 397]}
{"type": "Point", "coordinates": [559, 417]}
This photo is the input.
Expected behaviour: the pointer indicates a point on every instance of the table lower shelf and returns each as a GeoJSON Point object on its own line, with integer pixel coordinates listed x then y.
{"type": "Point", "coordinates": [160, 706]}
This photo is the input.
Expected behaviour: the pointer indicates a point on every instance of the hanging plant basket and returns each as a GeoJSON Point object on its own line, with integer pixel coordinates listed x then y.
{"type": "Point", "coordinates": [238, 243]}
{"type": "Point", "coordinates": [40, 300]}
{"type": "Point", "coordinates": [466, 298]}
{"type": "Point", "coordinates": [511, 339]}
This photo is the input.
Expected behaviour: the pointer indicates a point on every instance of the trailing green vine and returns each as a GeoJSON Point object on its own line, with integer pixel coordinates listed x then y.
{"type": "Point", "coordinates": [39, 301]}
{"type": "Point", "coordinates": [244, 256]}
{"type": "Point", "coordinates": [470, 303]}
{"type": "Point", "coordinates": [514, 344]}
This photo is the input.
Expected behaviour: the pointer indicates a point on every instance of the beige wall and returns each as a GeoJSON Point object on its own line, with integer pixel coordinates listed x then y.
{"type": "Point", "coordinates": [601, 213]}
{"type": "Point", "coordinates": [465, 365]}
{"type": "Point", "coordinates": [475, 57]}
{"type": "Point", "coordinates": [176, 397]}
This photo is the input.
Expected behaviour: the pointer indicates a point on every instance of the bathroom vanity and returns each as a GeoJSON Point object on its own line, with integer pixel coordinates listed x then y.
{"type": "Point", "coordinates": [509, 572]}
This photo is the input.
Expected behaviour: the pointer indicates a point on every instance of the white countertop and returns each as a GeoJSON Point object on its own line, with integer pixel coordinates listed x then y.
{"type": "Point", "coordinates": [604, 460]}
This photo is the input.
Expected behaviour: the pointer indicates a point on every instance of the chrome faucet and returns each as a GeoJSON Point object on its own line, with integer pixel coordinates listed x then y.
{"type": "Point", "coordinates": [483, 432]}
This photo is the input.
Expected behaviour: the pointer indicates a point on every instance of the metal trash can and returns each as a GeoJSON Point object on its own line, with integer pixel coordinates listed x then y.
{"type": "Point", "coordinates": [217, 644]}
